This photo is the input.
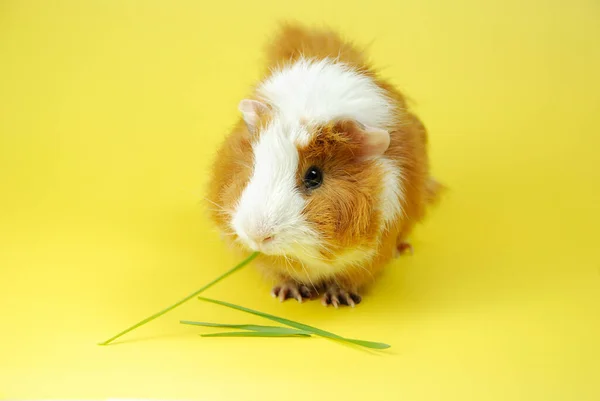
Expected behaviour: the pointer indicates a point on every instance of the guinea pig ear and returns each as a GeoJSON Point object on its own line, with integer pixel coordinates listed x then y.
{"type": "Point", "coordinates": [251, 111]}
{"type": "Point", "coordinates": [372, 142]}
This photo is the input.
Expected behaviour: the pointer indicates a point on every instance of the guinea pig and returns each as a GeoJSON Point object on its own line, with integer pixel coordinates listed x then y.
{"type": "Point", "coordinates": [325, 173]}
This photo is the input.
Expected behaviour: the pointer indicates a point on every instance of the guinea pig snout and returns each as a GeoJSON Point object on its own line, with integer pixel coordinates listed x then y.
{"type": "Point", "coordinates": [256, 234]}
{"type": "Point", "coordinates": [259, 238]}
{"type": "Point", "coordinates": [262, 238]}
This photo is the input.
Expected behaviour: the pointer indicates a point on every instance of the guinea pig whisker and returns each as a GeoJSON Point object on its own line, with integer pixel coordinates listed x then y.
{"type": "Point", "coordinates": [219, 209]}
{"type": "Point", "coordinates": [289, 264]}
{"type": "Point", "coordinates": [303, 248]}
{"type": "Point", "coordinates": [324, 247]}
{"type": "Point", "coordinates": [305, 269]}
{"type": "Point", "coordinates": [217, 205]}
{"type": "Point", "coordinates": [225, 212]}
{"type": "Point", "coordinates": [220, 232]}
{"type": "Point", "coordinates": [314, 257]}
{"type": "Point", "coordinates": [243, 164]}
{"type": "Point", "coordinates": [360, 266]}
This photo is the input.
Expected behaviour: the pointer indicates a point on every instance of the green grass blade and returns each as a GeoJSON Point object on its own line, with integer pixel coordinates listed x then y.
{"type": "Point", "coordinates": [297, 325]}
{"type": "Point", "coordinates": [251, 327]}
{"type": "Point", "coordinates": [255, 334]}
{"type": "Point", "coordinates": [176, 304]}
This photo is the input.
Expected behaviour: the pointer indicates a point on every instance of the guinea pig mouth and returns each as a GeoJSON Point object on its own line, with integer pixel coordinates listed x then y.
{"type": "Point", "coordinates": [266, 243]}
{"type": "Point", "coordinates": [274, 245]}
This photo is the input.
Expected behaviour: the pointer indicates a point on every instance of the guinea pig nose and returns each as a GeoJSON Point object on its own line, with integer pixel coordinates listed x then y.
{"type": "Point", "coordinates": [264, 239]}
{"type": "Point", "coordinates": [260, 236]}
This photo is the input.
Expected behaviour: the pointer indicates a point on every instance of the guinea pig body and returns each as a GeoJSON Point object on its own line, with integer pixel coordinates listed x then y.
{"type": "Point", "coordinates": [326, 172]}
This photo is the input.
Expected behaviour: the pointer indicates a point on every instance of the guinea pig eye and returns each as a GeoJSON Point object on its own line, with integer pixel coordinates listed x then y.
{"type": "Point", "coordinates": [313, 178]}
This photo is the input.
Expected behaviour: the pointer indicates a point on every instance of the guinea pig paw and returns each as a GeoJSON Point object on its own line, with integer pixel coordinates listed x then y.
{"type": "Point", "coordinates": [288, 290]}
{"type": "Point", "coordinates": [337, 296]}
{"type": "Point", "coordinates": [404, 247]}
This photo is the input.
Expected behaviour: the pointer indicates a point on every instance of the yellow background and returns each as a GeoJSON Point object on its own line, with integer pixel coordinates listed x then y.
{"type": "Point", "coordinates": [111, 112]}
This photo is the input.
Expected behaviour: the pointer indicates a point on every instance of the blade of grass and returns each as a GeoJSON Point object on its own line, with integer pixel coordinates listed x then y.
{"type": "Point", "coordinates": [176, 304]}
{"type": "Point", "coordinates": [297, 325]}
{"type": "Point", "coordinates": [251, 327]}
{"type": "Point", "coordinates": [256, 334]}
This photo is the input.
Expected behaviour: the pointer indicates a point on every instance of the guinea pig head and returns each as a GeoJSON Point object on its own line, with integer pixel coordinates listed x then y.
{"type": "Point", "coordinates": [313, 190]}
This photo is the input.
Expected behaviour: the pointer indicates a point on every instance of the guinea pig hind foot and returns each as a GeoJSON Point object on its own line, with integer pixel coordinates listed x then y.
{"type": "Point", "coordinates": [402, 248]}
{"type": "Point", "coordinates": [291, 289]}
{"type": "Point", "coordinates": [336, 296]}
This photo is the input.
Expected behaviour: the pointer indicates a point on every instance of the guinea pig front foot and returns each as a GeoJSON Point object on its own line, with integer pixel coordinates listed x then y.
{"type": "Point", "coordinates": [291, 289]}
{"type": "Point", "coordinates": [336, 296]}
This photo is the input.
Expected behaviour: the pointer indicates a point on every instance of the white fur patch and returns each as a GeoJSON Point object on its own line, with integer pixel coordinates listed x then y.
{"type": "Point", "coordinates": [270, 204]}
{"type": "Point", "coordinates": [323, 90]}
{"type": "Point", "coordinates": [393, 193]}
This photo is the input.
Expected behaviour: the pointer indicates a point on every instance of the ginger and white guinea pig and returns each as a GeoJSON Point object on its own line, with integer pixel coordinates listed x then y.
{"type": "Point", "coordinates": [326, 172]}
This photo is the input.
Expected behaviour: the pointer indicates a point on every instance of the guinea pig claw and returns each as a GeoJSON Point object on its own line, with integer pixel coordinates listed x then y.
{"type": "Point", "coordinates": [295, 293]}
{"type": "Point", "coordinates": [289, 290]}
{"type": "Point", "coordinates": [404, 247]}
{"type": "Point", "coordinates": [349, 300]}
{"type": "Point", "coordinates": [332, 300]}
{"type": "Point", "coordinates": [283, 294]}
{"type": "Point", "coordinates": [336, 296]}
